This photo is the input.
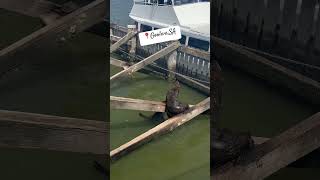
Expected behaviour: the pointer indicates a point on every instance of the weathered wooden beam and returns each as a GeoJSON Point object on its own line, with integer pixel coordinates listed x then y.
{"type": "Point", "coordinates": [118, 63]}
{"type": "Point", "coordinates": [166, 126]}
{"type": "Point", "coordinates": [275, 153]}
{"type": "Point", "coordinates": [136, 104]}
{"type": "Point", "coordinates": [146, 61]}
{"type": "Point", "coordinates": [122, 41]}
{"type": "Point", "coordinates": [263, 68]}
{"type": "Point", "coordinates": [196, 52]}
{"type": "Point", "coordinates": [63, 28]}
{"type": "Point", "coordinates": [194, 84]}
{"type": "Point", "coordinates": [37, 131]}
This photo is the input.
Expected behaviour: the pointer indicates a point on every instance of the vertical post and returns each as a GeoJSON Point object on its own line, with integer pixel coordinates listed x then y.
{"type": "Point", "coordinates": [132, 51]}
{"type": "Point", "coordinates": [171, 65]}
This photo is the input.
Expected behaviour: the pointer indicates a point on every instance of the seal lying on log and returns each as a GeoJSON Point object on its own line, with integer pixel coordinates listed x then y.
{"type": "Point", "coordinates": [173, 106]}
{"type": "Point", "coordinates": [227, 145]}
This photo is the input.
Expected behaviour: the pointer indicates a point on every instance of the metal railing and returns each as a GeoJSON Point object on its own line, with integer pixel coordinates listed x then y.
{"type": "Point", "coordinates": [167, 2]}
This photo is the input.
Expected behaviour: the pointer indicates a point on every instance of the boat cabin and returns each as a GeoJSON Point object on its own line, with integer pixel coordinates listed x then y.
{"type": "Point", "coordinates": [193, 17]}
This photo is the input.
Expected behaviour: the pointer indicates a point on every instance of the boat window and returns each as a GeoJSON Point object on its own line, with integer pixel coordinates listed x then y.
{"type": "Point", "coordinates": [179, 2]}
{"type": "Point", "coordinates": [145, 28]}
{"type": "Point", "coordinates": [165, 2]}
{"type": "Point", "coordinates": [197, 43]}
{"type": "Point", "coordinates": [183, 39]}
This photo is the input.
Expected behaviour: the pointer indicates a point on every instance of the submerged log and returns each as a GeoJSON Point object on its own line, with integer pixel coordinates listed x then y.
{"type": "Point", "coordinates": [166, 126]}
{"type": "Point", "coordinates": [275, 153]}
{"type": "Point", "coordinates": [37, 131]}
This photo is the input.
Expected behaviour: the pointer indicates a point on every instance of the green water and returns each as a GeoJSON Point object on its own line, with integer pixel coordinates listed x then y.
{"type": "Point", "coordinates": [66, 79]}
{"type": "Point", "coordinates": [182, 154]}
{"type": "Point", "coordinates": [250, 104]}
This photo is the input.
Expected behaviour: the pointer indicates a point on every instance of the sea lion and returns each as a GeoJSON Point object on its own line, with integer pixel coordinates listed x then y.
{"type": "Point", "coordinates": [227, 145]}
{"type": "Point", "coordinates": [173, 105]}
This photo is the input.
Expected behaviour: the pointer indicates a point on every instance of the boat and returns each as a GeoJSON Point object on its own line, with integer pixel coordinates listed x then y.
{"type": "Point", "coordinates": [193, 17]}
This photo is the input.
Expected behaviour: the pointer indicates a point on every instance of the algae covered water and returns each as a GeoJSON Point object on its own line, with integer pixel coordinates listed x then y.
{"type": "Point", "coordinates": [57, 79]}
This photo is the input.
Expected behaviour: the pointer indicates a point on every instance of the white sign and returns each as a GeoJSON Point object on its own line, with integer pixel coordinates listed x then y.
{"type": "Point", "coordinates": [160, 35]}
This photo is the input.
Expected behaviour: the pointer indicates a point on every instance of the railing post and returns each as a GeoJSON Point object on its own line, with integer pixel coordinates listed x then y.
{"type": "Point", "coordinates": [172, 65]}
{"type": "Point", "coordinates": [132, 51]}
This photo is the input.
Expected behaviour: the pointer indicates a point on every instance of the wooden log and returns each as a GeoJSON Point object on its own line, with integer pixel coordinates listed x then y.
{"type": "Point", "coordinates": [146, 61]}
{"type": "Point", "coordinates": [275, 153]}
{"type": "Point", "coordinates": [122, 41]}
{"type": "Point", "coordinates": [166, 126]}
{"type": "Point", "coordinates": [136, 104]}
{"type": "Point", "coordinates": [72, 23]}
{"type": "Point", "coordinates": [118, 63]}
{"type": "Point", "coordinates": [37, 131]}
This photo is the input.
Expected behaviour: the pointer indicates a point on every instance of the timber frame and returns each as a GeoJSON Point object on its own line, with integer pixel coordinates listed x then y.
{"type": "Point", "coordinates": [147, 105]}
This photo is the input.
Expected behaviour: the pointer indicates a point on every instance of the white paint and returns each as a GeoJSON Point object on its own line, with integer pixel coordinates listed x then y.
{"type": "Point", "coordinates": [160, 35]}
{"type": "Point", "coordinates": [193, 19]}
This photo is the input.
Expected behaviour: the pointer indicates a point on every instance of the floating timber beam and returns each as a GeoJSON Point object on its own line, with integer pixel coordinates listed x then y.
{"type": "Point", "coordinates": [275, 153]}
{"type": "Point", "coordinates": [146, 61]}
{"type": "Point", "coordinates": [72, 23]}
{"type": "Point", "coordinates": [119, 63]}
{"type": "Point", "coordinates": [166, 126]}
{"type": "Point", "coordinates": [122, 41]}
{"type": "Point", "coordinates": [37, 131]}
{"type": "Point", "coordinates": [136, 104]}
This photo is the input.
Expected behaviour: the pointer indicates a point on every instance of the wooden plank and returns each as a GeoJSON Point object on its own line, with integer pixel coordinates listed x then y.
{"type": "Point", "coordinates": [136, 104]}
{"type": "Point", "coordinates": [263, 68]}
{"type": "Point", "coordinates": [118, 63]}
{"type": "Point", "coordinates": [146, 61]}
{"type": "Point", "coordinates": [196, 52]}
{"type": "Point", "coordinates": [72, 23]}
{"type": "Point", "coordinates": [275, 153]}
{"type": "Point", "coordinates": [122, 41]}
{"type": "Point", "coordinates": [37, 131]}
{"type": "Point", "coordinates": [166, 126]}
